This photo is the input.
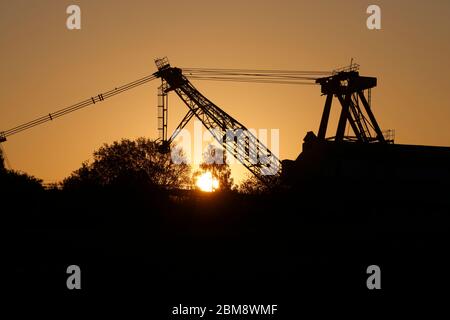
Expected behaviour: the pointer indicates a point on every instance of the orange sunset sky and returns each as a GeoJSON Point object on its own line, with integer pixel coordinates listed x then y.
{"type": "Point", "coordinates": [45, 67]}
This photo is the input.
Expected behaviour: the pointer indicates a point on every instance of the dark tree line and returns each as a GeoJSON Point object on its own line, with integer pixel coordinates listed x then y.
{"type": "Point", "coordinates": [137, 164]}
{"type": "Point", "coordinates": [130, 163]}
{"type": "Point", "coordinates": [16, 181]}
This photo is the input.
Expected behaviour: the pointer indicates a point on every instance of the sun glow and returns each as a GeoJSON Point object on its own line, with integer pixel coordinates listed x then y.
{"type": "Point", "coordinates": [206, 182]}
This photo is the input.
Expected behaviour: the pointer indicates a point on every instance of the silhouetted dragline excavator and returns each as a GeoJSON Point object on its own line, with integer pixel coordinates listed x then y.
{"type": "Point", "coordinates": [344, 84]}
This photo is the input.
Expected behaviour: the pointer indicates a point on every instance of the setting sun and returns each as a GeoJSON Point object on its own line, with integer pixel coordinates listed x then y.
{"type": "Point", "coordinates": [206, 182]}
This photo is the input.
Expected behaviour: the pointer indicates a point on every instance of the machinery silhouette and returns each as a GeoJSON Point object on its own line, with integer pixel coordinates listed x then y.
{"type": "Point", "coordinates": [351, 90]}
{"type": "Point", "coordinates": [233, 135]}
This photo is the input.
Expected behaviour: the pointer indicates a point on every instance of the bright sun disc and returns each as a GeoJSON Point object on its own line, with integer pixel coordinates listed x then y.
{"type": "Point", "coordinates": [206, 182]}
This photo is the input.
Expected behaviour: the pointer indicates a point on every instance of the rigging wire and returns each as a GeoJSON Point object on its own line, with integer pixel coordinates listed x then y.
{"type": "Point", "coordinates": [255, 75]}
{"type": "Point", "coordinates": [253, 80]}
{"type": "Point", "coordinates": [82, 104]}
{"type": "Point", "coordinates": [294, 77]}
{"type": "Point", "coordinates": [219, 70]}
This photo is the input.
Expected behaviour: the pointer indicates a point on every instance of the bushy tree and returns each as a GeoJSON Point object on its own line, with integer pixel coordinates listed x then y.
{"type": "Point", "coordinates": [2, 163]}
{"type": "Point", "coordinates": [16, 181]}
{"type": "Point", "coordinates": [215, 161]}
{"type": "Point", "coordinates": [252, 185]}
{"type": "Point", "coordinates": [19, 181]}
{"type": "Point", "coordinates": [130, 163]}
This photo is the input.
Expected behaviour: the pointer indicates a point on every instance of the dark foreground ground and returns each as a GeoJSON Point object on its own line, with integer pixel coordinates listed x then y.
{"type": "Point", "coordinates": [307, 250]}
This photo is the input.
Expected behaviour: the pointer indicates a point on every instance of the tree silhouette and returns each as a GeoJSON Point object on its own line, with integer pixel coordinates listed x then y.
{"type": "Point", "coordinates": [16, 181]}
{"type": "Point", "coordinates": [252, 185]}
{"type": "Point", "coordinates": [2, 163]}
{"type": "Point", "coordinates": [20, 182]}
{"type": "Point", "coordinates": [130, 163]}
{"type": "Point", "coordinates": [215, 161]}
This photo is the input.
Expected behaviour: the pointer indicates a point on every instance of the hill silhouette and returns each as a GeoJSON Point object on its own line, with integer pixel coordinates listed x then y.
{"type": "Point", "coordinates": [138, 240]}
